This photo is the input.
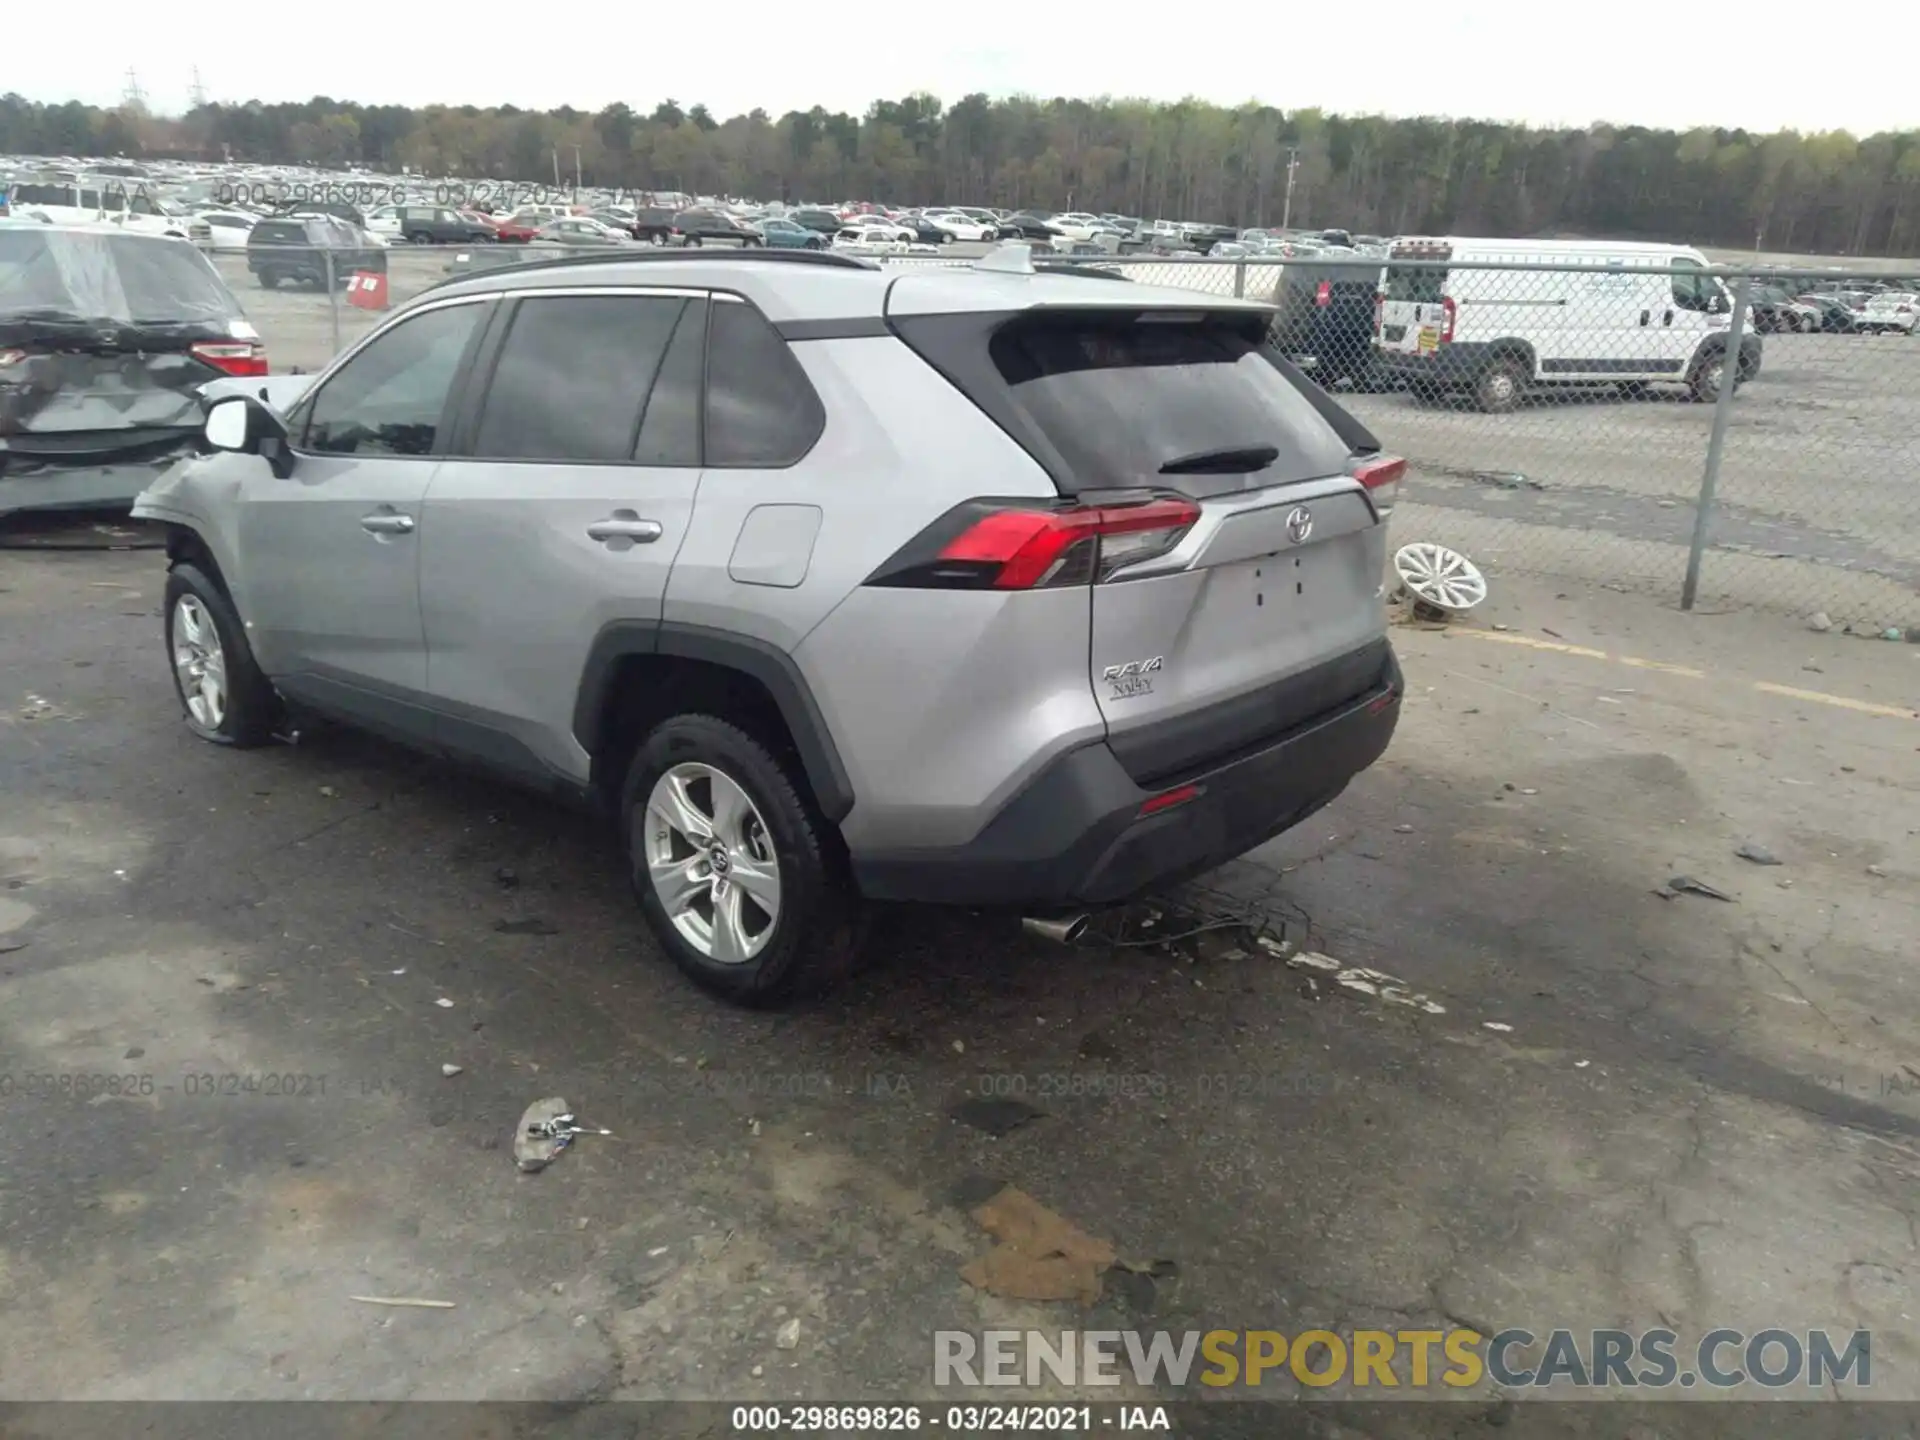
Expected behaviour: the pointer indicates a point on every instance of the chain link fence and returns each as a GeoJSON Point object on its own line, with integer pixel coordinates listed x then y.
{"type": "Point", "coordinates": [1728, 438]}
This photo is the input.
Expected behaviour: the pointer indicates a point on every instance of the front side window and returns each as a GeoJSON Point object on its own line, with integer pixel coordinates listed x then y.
{"type": "Point", "coordinates": [574, 376]}
{"type": "Point", "coordinates": [1691, 290]}
{"type": "Point", "coordinates": [390, 397]}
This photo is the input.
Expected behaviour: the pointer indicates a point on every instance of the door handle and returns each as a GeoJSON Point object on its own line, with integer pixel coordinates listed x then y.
{"type": "Point", "coordinates": [387, 524]}
{"type": "Point", "coordinates": [1669, 319]}
{"type": "Point", "coordinates": [1646, 316]}
{"type": "Point", "coordinates": [625, 525]}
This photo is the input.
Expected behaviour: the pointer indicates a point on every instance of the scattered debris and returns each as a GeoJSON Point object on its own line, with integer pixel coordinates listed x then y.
{"type": "Point", "coordinates": [1877, 871]}
{"type": "Point", "coordinates": [1273, 946]}
{"type": "Point", "coordinates": [408, 1301]}
{"type": "Point", "coordinates": [1819, 623]}
{"type": "Point", "coordinates": [444, 1003]}
{"type": "Point", "coordinates": [1892, 632]}
{"type": "Point", "coordinates": [1363, 981]}
{"type": "Point", "coordinates": [505, 878]}
{"type": "Point", "coordinates": [1507, 480]}
{"type": "Point", "coordinates": [1313, 959]}
{"type": "Point", "coordinates": [1581, 1064]}
{"type": "Point", "coordinates": [997, 1115]}
{"type": "Point", "coordinates": [1403, 829]}
{"type": "Point", "coordinates": [36, 708]}
{"type": "Point", "coordinates": [531, 925]}
{"type": "Point", "coordinates": [7, 947]}
{"type": "Point", "coordinates": [787, 1337]}
{"type": "Point", "coordinates": [329, 791]}
{"type": "Point", "coordinates": [1041, 1255]}
{"type": "Point", "coordinates": [959, 1047]}
{"type": "Point", "coordinates": [449, 1071]}
{"type": "Point", "coordinates": [546, 1128]}
{"type": "Point", "coordinates": [1499, 1025]}
{"type": "Point", "coordinates": [1758, 854]}
{"type": "Point", "coordinates": [758, 1371]}
{"type": "Point", "coordinates": [1687, 885]}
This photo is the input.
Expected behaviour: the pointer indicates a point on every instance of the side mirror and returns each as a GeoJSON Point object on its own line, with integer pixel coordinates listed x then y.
{"type": "Point", "coordinates": [1717, 305]}
{"type": "Point", "coordinates": [245, 426]}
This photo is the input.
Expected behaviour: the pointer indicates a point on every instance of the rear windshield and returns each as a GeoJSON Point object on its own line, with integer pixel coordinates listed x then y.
{"type": "Point", "coordinates": [131, 279]}
{"type": "Point", "coordinates": [1120, 397]}
{"type": "Point", "coordinates": [280, 232]}
{"type": "Point", "coordinates": [1424, 286]}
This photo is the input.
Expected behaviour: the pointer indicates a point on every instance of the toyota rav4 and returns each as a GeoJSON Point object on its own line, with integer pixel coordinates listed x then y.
{"type": "Point", "coordinates": [829, 582]}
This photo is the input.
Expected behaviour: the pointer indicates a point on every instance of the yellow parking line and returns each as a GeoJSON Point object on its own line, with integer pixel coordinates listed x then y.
{"type": "Point", "coordinates": [1865, 707]}
{"type": "Point", "coordinates": [1790, 692]}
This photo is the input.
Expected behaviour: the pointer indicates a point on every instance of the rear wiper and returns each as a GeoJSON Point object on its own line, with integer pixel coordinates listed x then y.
{"type": "Point", "coordinates": [1227, 460]}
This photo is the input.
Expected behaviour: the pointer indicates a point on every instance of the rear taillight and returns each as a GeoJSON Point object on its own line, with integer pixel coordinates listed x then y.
{"type": "Point", "coordinates": [11, 357]}
{"type": "Point", "coordinates": [1323, 297]}
{"type": "Point", "coordinates": [233, 357]}
{"type": "Point", "coordinates": [1015, 545]}
{"type": "Point", "coordinates": [1381, 474]}
{"type": "Point", "coordinates": [1446, 320]}
{"type": "Point", "coordinates": [1379, 312]}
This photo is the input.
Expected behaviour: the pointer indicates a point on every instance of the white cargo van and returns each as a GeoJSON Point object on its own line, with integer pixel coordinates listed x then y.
{"type": "Point", "coordinates": [1618, 313]}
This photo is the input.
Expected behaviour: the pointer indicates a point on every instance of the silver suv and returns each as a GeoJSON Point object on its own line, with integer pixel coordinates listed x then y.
{"type": "Point", "coordinates": [831, 582]}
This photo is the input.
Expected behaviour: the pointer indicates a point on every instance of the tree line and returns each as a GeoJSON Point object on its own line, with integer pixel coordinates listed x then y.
{"type": "Point", "coordinates": [1828, 192]}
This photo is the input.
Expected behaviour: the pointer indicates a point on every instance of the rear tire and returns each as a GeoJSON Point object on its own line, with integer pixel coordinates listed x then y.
{"type": "Point", "coordinates": [1499, 389]}
{"type": "Point", "coordinates": [1707, 376]}
{"type": "Point", "coordinates": [720, 934]}
{"type": "Point", "coordinates": [223, 696]}
{"type": "Point", "coordinates": [419, 237]}
{"type": "Point", "coordinates": [269, 279]}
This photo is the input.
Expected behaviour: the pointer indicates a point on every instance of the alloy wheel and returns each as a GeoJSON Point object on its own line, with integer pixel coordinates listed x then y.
{"type": "Point", "coordinates": [711, 861]}
{"type": "Point", "coordinates": [200, 662]}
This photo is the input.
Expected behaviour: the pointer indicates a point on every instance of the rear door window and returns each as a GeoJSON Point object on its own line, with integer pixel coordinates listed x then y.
{"type": "Point", "coordinates": [1126, 400]}
{"type": "Point", "coordinates": [1423, 285]}
{"type": "Point", "coordinates": [574, 376]}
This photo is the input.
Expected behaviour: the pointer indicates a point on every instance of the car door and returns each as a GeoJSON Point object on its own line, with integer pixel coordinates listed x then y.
{"type": "Point", "coordinates": [330, 552]}
{"type": "Point", "coordinates": [560, 512]}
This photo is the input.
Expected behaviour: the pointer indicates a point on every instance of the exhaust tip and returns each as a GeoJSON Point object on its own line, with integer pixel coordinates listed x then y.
{"type": "Point", "coordinates": [1060, 929]}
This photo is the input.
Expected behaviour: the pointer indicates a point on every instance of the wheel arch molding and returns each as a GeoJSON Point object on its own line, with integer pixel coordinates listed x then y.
{"type": "Point", "coordinates": [767, 666]}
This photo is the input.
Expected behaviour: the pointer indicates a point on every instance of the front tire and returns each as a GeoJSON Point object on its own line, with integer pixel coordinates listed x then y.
{"type": "Point", "coordinates": [223, 695]}
{"type": "Point", "coordinates": [738, 875]}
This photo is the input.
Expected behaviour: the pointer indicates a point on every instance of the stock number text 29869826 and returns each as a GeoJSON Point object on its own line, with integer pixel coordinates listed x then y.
{"type": "Point", "coordinates": [373, 193]}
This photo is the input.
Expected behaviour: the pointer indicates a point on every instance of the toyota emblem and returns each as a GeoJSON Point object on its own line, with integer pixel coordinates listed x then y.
{"type": "Point", "coordinates": [1299, 524]}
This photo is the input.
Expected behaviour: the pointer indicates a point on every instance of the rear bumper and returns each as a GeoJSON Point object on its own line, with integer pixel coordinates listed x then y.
{"type": "Point", "coordinates": [1455, 363]}
{"type": "Point", "coordinates": [1074, 835]}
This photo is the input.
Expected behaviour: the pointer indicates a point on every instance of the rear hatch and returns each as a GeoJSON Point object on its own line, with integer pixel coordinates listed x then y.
{"type": "Point", "coordinates": [105, 340]}
{"type": "Point", "coordinates": [1228, 517]}
{"type": "Point", "coordinates": [1416, 315]}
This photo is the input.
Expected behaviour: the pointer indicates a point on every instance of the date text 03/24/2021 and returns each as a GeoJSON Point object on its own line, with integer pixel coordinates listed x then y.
{"type": "Point", "coordinates": [957, 1419]}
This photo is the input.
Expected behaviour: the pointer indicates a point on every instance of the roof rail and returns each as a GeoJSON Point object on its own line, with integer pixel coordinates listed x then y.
{"type": "Point", "coordinates": [621, 256]}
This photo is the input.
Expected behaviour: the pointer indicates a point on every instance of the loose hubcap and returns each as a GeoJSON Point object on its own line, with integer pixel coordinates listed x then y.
{"type": "Point", "coordinates": [711, 862]}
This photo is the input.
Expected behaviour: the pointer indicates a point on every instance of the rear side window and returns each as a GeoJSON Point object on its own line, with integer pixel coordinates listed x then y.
{"type": "Point", "coordinates": [279, 232]}
{"type": "Point", "coordinates": [25, 194]}
{"type": "Point", "coordinates": [574, 376]}
{"type": "Point", "coordinates": [762, 411]}
{"type": "Point", "coordinates": [1125, 399]}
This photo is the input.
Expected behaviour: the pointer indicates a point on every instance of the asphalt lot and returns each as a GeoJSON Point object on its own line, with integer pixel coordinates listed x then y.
{"type": "Point", "coordinates": [1704, 1113]}
{"type": "Point", "coordinates": [1817, 493]}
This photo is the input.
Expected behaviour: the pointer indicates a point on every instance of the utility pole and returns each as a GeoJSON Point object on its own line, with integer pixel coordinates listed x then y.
{"type": "Point", "coordinates": [197, 94]}
{"type": "Point", "coordinates": [134, 98]}
{"type": "Point", "coordinates": [556, 167]}
{"type": "Point", "coordinates": [1286, 208]}
{"type": "Point", "coordinates": [576, 169]}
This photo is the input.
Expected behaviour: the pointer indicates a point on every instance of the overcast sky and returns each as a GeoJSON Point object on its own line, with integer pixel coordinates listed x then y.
{"type": "Point", "coordinates": [1505, 59]}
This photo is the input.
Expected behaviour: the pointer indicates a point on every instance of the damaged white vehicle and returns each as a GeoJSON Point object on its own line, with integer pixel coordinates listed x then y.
{"type": "Point", "coordinates": [106, 339]}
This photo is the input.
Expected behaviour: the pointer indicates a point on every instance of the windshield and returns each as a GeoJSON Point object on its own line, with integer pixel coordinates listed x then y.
{"type": "Point", "coordinates": [124, 279]}
{"type": "Point", "coordinates": [1425, 286]}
